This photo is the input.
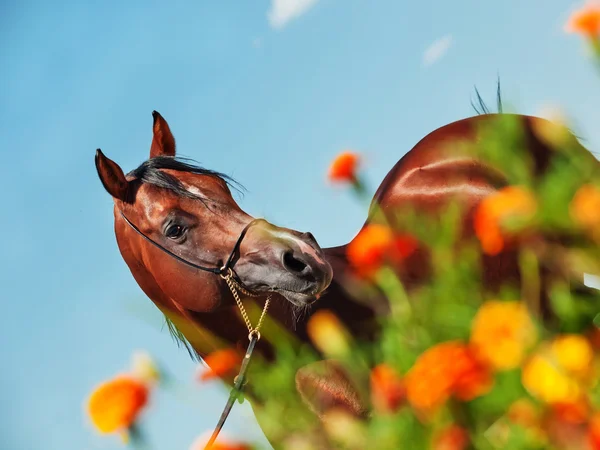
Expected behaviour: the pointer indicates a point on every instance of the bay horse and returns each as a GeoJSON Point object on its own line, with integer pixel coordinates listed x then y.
{"type": "Point", "coordinates": [190, 212]}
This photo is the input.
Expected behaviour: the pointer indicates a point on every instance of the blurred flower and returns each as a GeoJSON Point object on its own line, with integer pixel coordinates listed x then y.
{"type": "Point", "coordinates": [546, 380]}
{"type": "Point", "coordinates": [576, 411]}
{"type": "Point", "coordinates": [585, 207]}
{"type": "Point", "coordinates": [115, 405]}
{"type": "Point", "coordinates": [377, 244]}
{"type": "Point", "coordinates": [387, 388]}
{"type": "Point", "coordinates": [344, 428]}
{"type": "Point", "coordinates": [327, 333]}
{"type": "Point", "coordinates": [508, 203]}
{"type": "Point", "coordinates": [523, 412]}
{"type": "Point", "coordinates": [451, 438]}
{"type": "Point", "coordinates": [344, 167]}
{"type": "Point", "coordinates": [443, 370]}
{"type": "Point", "coordinates": [594, 432]}
{"type": "Point", "coordinates": [220, 363]}
{"type": "Point", "coordinates": [144, 367]}
{"type": "Point", "coordinates": [585, 21]}
{"type": "Point", "coordinates": [574, 353]}
{"type": "Point", "coordinates": [222, 443]}
{"type": "Point", "coordinates": [501, 333]}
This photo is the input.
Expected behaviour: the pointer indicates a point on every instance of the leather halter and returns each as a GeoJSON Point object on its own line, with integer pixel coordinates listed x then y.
{"type": "Point", "coordinates": [225, 272]}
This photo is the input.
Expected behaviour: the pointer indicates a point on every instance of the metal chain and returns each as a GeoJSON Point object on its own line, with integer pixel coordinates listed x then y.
{"type": "Point", "coordinates": [234, 287]}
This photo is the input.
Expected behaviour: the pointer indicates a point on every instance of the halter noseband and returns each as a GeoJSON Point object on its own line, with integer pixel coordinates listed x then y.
{"type": "Point", "coordinates": [225, 272]}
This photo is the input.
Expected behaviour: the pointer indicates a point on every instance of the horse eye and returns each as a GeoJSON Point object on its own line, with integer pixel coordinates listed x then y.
{"type": "Point", "coordinates": [175, 231]}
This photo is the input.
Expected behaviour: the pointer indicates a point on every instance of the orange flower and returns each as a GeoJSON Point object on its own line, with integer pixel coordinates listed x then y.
{"type": "Point", "coordinates": [343, 168]}
{"type": "Point", "coordinates": [116, 404]}
{"type": "Point", "coordinates": [387, 388]}
{"type": "Point", "coordinates": [376, 244]}
{"type": "Point", "coordinates": [585, 207]}
{"type": "Point", "coordinates": [222, 443]}
{"type": "Point", "coordinates": [443, 370]}
{"type": "Point", "coordinates": [451, 438]}
{"type": "Point", "coordinates": [508, 203]}
{"type": "Point", "coordinates": [524, 413]}
{"type": "Point", "coordinates": [501, 333]}
{"type": "Point", "coordinates": [594, 432]}
{"type": "Point", "coordinates": [585, 21]}
{"type": "Point", "coordinates": [221, 363]}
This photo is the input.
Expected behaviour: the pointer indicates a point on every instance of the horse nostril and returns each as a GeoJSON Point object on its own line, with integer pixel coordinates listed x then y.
{"type": "Point", "coordinates": [292, 263]}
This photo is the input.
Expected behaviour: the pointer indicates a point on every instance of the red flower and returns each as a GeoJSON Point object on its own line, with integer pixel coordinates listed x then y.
{"type": "Point", "coordinates": [343, 168]}
{"type": "Point", "coordinates": [451, 438]}
{"type": "Point", "coordinates": [387, 388]}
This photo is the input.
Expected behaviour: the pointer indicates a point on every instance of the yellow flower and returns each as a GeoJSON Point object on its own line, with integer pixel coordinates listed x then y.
{"type": "Point", "coordinates": [547, 381]}
{"type": "Point", "coordinates": [501, 334]}
{"type": "Point", "coordinates": [574, 353]}
{"type": "Point", "coordinates": [327, 333]}
{"type": "Point", "coordinates": [144, 367]}
{"type": "Point", "coordinates": [116, 404]}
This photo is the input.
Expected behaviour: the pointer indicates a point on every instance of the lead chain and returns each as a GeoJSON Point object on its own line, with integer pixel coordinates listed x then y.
{"type": "Point", "coordinates": [234, 286]}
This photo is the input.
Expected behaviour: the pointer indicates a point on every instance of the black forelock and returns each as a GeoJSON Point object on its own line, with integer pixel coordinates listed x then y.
{"type": "Point", "coordinates": [151, 172]}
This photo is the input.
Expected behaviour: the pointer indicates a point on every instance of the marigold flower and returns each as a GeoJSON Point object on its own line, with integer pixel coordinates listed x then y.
{"type": "Point", "coordinates": [594, 432]}
{"type": "Point", "coordinates": [387, 388]}
{"type": "Point", "coordinates": [443, 370]}
{"type": "Point", "coordinates": [574, 353]}
{"type": "Point", "coordinates": [344, 167]}
{"type": "Point", "coordinates": [116, 404]}
{"type": "Point", "coordinates": [377, 244]}
{"type": "Point", "coordinates": [547, 381]}
{"type": "Point", "coordinates": [508, 203]}
{"type": "Point", "coordinates": [144, 367]}
{"type": "Point", "coordinates": [451, 438]}
{"type": "Point", "coordinates": [327, 333]}
{"type": "Point", "coordinates": [573, 412]}
{"type": "Point", "coordinates": [523, 412]}
{"type": "Point", "coordinates": [585, 21]}
{"type": "Point", "coordinates": [501, 333]}
{"type": "Point", "coordinates": [221, 363]}
{"type": "Point", "coordinates": [222, 443]}
{"type": "Point", "coordinates": [585, 207]}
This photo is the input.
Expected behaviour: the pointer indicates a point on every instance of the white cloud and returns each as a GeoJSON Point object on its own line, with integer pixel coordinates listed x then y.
{"type": "Point", "coordinates": [283, 11]}
{"type": "Point", "coordinates": [436, 50]}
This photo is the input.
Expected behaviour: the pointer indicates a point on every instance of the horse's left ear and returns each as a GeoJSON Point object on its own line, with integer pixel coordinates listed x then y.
{"type": "Point", "coordinates": [163, 142]}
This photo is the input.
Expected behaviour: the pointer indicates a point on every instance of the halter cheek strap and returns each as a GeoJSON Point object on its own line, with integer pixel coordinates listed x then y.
{"type": "Point", "coordinates": [226, 272]}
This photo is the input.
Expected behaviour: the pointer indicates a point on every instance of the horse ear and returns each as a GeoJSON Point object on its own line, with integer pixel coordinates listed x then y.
{"type": "Point", "coordinates": [163, 142]}
{"type": "Point", "coordinates": [112, 176]}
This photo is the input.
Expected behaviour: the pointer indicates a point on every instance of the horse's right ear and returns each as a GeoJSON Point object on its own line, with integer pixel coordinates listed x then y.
{"type": "Point", "coordinates": [112, 176]}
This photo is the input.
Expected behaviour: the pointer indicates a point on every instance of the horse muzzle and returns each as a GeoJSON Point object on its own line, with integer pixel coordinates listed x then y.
{"type": "Point", "coordinates": [283, 261]}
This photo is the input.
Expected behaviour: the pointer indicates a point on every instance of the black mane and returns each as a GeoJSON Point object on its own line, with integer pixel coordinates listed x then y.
{"type": "Point", "coordinates": [479, 105]}
{"type": "Point", "coordinates": [150, 172]}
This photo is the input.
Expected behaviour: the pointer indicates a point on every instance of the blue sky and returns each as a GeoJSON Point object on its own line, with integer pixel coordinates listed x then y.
{"type": "Point", "coordinates": [247, 92]}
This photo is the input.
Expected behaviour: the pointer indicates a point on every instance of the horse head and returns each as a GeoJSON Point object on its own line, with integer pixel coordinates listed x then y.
{"type": "Point", "coordinates": [168, 205]}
